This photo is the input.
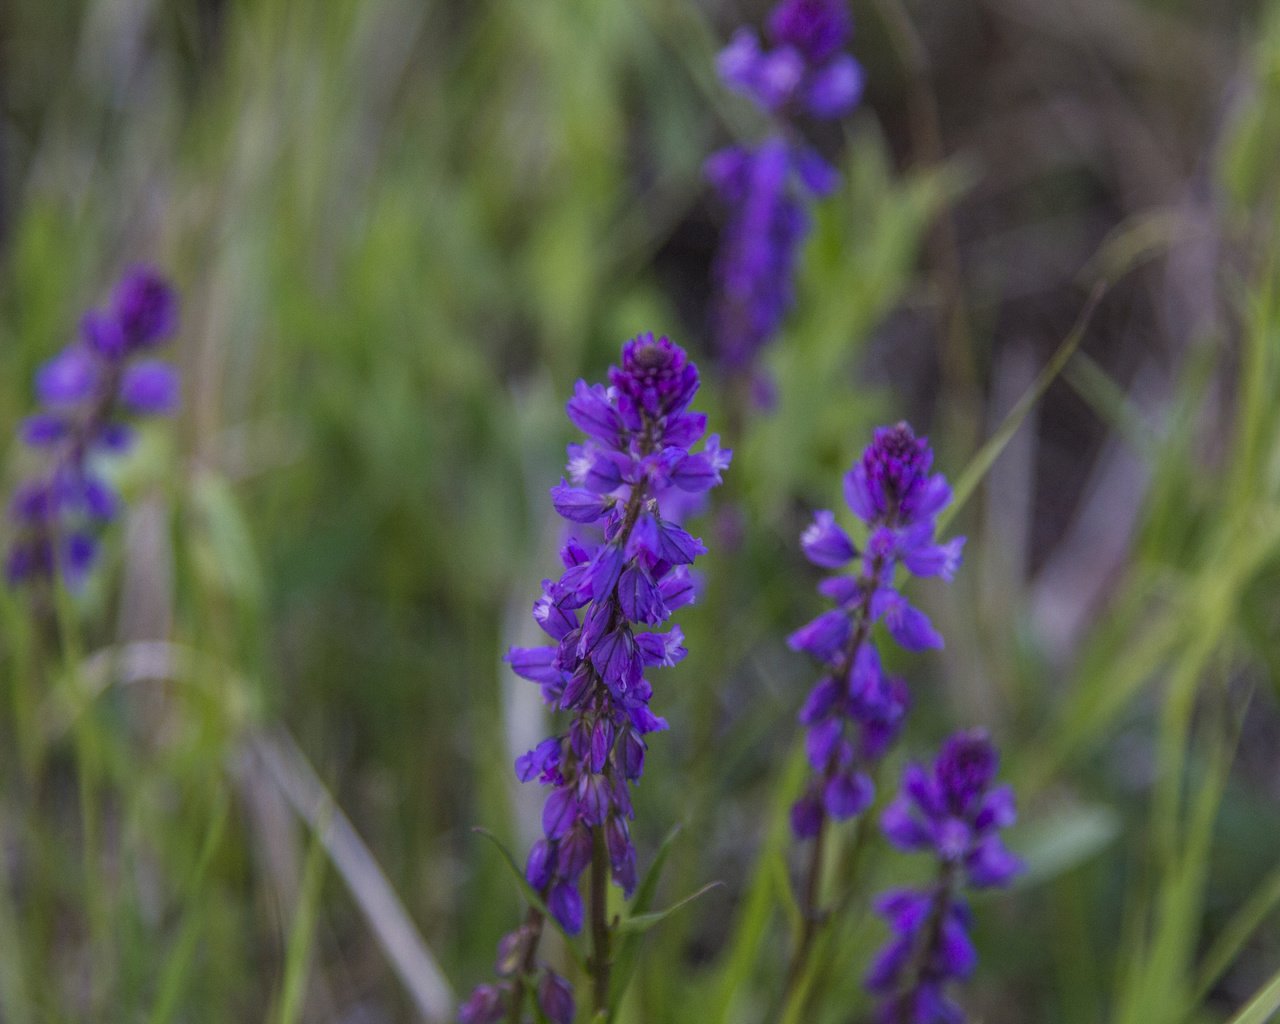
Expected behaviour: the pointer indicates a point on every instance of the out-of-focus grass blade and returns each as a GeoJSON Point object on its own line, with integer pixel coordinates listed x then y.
{"type": "Point", "coordinates": [302, 934]}
{"type": "Point", "coordinates": [1262, 1007]}
{"type": "Point", "coordinates": [389, 921]}
{"type": "Point", "coordinates": [531, 895]}
{"type": "Point", "coordinates": [990, 451]}
{"type": "Point", "coordinates": [179, 962]}
{"type": "Point", "coordinates": [1237, 932]}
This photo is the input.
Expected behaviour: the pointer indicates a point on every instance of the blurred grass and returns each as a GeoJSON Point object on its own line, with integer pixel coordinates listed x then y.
{"type": "Point", "coordinates": [401, 231]}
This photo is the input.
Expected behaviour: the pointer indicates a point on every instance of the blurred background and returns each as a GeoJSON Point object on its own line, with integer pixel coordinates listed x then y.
{"type": "Point", "coordinates": [401, 229]}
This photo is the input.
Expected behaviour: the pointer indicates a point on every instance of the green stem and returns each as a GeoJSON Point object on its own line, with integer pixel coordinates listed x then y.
{"type": "Point", "coordinates": [600, 956]}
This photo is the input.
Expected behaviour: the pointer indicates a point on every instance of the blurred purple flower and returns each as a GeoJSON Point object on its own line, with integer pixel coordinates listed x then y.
{"type": "Point", "coordinates": [856, 711]}
{"type": "Point", "coordinates": [85, 389]}
{"type": "Point", "coordinates": [955, 812]}
{"type": "Point", "coordinates": [765, 187]}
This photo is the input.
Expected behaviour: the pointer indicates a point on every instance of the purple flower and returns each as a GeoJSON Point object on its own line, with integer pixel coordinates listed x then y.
{"type": "Point", "coordinates": [145, 307]}
{"type": "Point", "coordinates": [555, 998]}
{"type": "Point", "coordinates": [766, 187]}
{"type": "Point", "coordinates": [954, 812]}
{"type": "Point", "coordinates": [85, 389]}
{"type": "Point", "coordinates": [486, 1006]}
{"type": "Point", "coordinates": [602, 615]}
{"type": "Point", "coordinates": [855, 713]}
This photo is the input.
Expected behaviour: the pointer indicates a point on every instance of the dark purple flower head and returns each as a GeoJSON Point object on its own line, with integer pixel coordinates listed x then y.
{"type": "Point", "coordinates": [145, 307]}
{"type": "Point", "coordinates": [965, 768]}
{"type": "Point", "coordinates": [85, 390]}
{"type": "Point", "coordinates": [656, 376]}
{"type": "Point", "coordinates": [817, 28]}
{"type": "Point", "coordinates": [890, 484]}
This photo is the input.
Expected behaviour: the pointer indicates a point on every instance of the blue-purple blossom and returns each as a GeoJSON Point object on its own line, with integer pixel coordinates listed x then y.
{"type": "Point", "coordinates": [766, 187]}
{"type": "Point", "coordinates": [602, 616]}
{"type": "Point", "coordinates": [954, 811]}
{"type": "Point", "coordinates": [856, 710]}
{"type": "Point", "coordinates": [84, 392]}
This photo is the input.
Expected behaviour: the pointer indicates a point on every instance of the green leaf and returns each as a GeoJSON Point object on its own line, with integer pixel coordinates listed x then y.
{"type": "Point", "coordinates": [643, 922]}
{"type": "Point", "coordinates": [989, 452]}
{"type": "Point", "coordinates": [1055, 844]}
{"type": "Point", "coordinates": [627, 953]}
{"type": "Point", "coordinates": [531, 894]}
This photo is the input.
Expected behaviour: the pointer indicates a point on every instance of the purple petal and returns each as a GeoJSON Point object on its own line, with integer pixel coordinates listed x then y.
{"type": "Point", "coordinates": [43, 429]}
{"type": "Point", "coordinates": [150, 387]}
{"type": "Point", "coordinates": [559, 813]}
{"type": "Point", "coordinates": [819, 177]}
{"type": "Point", "coordinates": [825, 637]}
{"type": "Point", "coordinates": [903, 829]}
{"type": "Point", "coordinates": [907, 625]}
{"type": "Point", "coordinates": [102, 333]}
{"type": "Point", "coordinates": [574, 853]}
{"type": "Point", "coordinates": [676, 545]}
{"type": "Point", "coordinates": [825, 544]}
{"type": "Point", "coordinates": [678, 588]}
{"type": "Point", "coordinates": [991, 863]}
{"type": "Point", "coordinates": [806, 817]}
{"type": "Point", "coordinates": [590, 412]}
{"type": "Point", "coordinates": [835, 89]}
{"type": "Point", "coordinates": [555, 997]}
{"type": "Point", "coordinates": [565, 905]}
{"type": "Point", "coordinates": [578, 504]}
{"type": "Point", "coordinates": [848, 794]}
{"type": "Point", "coordinates": [639, 597]}
{"type": "Point", "coordinates": [537, 664]}
{"type": "Point", "coordinates": [935, 559]}
{"type": "Point", "coordinates": [68, 377]}
{"type": "Point", "coordinates": [820, 701]}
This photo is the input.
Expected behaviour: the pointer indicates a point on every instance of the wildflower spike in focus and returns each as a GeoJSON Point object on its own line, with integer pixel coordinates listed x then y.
{"type": "Point", "coordinates": [85, 390]}
{"type": "Point", "coordinates": [601, 616]}
{"type": "Point", "coordinates": [856, 711]}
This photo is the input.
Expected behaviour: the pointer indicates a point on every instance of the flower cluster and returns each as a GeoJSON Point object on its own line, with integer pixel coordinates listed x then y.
{"type": "Point", "coordinates": [856, 711]}
{"type": "Point", "coordinates": [804, 73]}
{"type": "Point", "coordinates": [955, 812]}
{"type": "Point", "coordinates": [602, 616]}
{"type": "Point", "coordinates": [85, 390]}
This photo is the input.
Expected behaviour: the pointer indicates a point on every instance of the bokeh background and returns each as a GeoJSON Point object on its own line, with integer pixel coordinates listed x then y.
{"type": "Point", "coordinates": [401, 230]}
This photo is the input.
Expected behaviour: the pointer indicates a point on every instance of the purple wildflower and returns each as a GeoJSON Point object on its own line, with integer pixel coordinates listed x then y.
{"type": "Point", "coordinates": [85, 389]}
{"type": "Point", "coordinates": [955, 812]}
{"type": "Point", "coordinates": [856, 710]}
{"type": "Point", "coordinates": [601, 616]}
{"type": "Point", "coordinates": [765, 187]}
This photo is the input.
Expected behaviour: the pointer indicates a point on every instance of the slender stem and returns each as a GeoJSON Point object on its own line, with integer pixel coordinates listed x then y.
{"type": "Point", "coordinates": [932, 933]}
{"type": "Point", "coordinates": [809, 912]}
{"type": "Point", "coordinates": [600, 956]}
{"type": "Point", "coordinates": [533, 921]}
